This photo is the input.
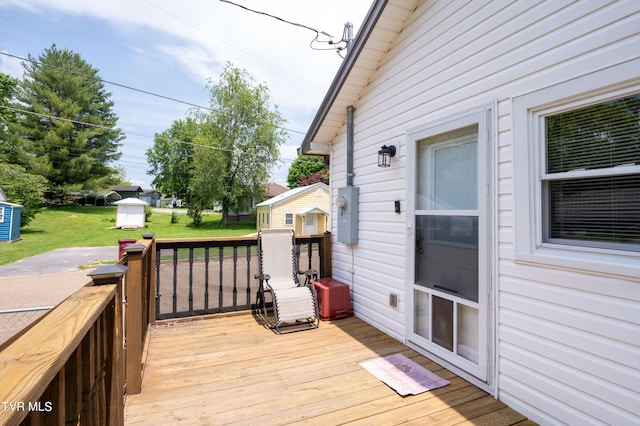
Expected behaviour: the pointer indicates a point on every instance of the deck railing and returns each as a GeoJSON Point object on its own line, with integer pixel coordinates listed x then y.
{"type": "Point", "coordinates": [201, 276]}
{"type": "Point", "coordinates": [75, 364]}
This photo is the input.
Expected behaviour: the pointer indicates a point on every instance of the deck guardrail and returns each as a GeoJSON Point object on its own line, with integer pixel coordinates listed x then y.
{"type": "Point", "coordinates": [75, 364]}
{"type": "Point", "coordinates": [200, 276]}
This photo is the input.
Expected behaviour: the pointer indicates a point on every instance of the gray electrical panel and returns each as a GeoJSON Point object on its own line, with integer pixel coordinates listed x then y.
{"type": "Point", "coordinates": [347, 203]}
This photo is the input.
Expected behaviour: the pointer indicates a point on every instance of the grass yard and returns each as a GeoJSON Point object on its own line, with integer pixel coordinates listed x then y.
{"type": "Point", "coordinates": [88, 226]}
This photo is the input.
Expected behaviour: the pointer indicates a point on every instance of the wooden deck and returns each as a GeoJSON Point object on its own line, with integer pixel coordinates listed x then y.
{"type": "Point", "coordinates": [231, 370]}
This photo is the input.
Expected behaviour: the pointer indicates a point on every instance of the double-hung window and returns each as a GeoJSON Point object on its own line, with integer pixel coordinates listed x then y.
{"type": "Point", "coordinates": [576, 170]}
{"type": "Point", "coordinates": [591, 177]}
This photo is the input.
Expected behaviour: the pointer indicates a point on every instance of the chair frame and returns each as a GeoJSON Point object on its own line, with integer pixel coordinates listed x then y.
{"type": "Point", "coordinates": [261, 307]}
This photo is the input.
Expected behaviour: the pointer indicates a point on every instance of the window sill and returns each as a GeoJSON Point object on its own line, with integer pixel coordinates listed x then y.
{"type": "Point", "coordinates": [624, 264]}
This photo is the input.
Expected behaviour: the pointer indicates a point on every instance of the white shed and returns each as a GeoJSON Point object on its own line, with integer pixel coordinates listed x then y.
{"type": "Point", "coordinates": [131, 212]}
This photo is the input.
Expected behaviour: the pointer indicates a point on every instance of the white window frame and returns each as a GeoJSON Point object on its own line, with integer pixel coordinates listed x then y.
{"type": "Point", "coordinates": [529, 148]}
{"type": "Point", "coordinates": [286, 215]}
{"type": "Point", "coordinates": [1, 214]}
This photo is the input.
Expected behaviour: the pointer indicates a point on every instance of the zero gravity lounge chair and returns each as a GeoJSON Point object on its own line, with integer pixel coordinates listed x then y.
{"type": "Point", "coordinates": [294, 304]}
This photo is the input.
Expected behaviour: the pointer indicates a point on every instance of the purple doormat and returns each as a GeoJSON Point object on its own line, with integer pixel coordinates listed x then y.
{"type": "Point", "coordinates": [403, 375]}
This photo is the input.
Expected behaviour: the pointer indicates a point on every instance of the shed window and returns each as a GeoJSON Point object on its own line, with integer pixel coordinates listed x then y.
{"type": "Point", "coordinates": [591, 178]}
{"type": "Point", "coordinates": [1, 214]}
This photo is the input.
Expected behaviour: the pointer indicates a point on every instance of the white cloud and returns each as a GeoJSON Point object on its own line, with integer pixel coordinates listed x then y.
{"type": "Point", "coordinates": [11, 66]}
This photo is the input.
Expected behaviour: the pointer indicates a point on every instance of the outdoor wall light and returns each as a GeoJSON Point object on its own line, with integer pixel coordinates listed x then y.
{"type": "Point", "coordinates": [385, 154]}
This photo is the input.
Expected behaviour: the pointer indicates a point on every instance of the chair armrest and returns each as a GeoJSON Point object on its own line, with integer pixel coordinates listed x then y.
{"type": "Point", "coordinates": [263, 277]}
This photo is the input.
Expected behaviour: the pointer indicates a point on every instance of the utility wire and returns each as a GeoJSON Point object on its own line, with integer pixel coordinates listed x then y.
{"type": "Point", "coordinates": [157, 136]}
{"type": "Point", "coordinates": [106, 81]}
{"type": "Point", "coordinates": [146, 92]}
{"type": "Point", "coordinates": [99, 126]}
{"type": "Point", "coordinates": [334, 44]}
{"type": "Point", "coordinates": [271, 16]}
{"type": "Point", "coordinates": [202, 30]}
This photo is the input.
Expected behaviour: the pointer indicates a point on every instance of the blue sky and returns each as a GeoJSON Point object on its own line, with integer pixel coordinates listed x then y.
{"type": "Point", "coordinates": [173, 48]}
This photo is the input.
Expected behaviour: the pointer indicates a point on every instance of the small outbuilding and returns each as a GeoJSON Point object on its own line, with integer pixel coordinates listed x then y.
{"type": "Point", "coordinates": [131, 213]}
{"type": "Point", "coordinates": [303, 209]}
{"type": "Point", "coordinates": [10, 218]}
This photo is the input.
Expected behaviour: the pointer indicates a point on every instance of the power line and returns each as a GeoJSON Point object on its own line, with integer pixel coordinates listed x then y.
{"type": "Point", "coordinates": [334, 44]}
{"type": "Point", "coordinates": [157, 136]}
{"type": "Point", "coordinates": [99, 126]}
{"type": "Point", "coordinates": [229, 44]}
{"type": "Point", "coordinates": [271, 16]}
{"type": "Point", "coordinates": [146, 92]}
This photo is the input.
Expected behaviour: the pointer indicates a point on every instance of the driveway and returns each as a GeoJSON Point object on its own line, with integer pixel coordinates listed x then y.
{"type": "Point", "coordinates": [43, 281]}
{"type": "Point", "coordinates": [60, 260]}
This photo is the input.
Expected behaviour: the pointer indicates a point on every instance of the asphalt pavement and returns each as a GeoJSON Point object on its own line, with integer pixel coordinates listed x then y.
{"type": "Point", "coordinates": [47, 279]}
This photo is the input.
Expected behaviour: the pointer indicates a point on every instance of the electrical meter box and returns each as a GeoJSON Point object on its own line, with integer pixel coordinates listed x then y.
{"type": "Point", "coordinates": [347, 203]}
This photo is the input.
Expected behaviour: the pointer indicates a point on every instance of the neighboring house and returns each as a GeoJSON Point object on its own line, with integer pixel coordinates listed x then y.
{"type": "Point", "coordinates": [274, 189]}
{"type": "Point", "coordinates": [508, 222]}
{"type": "Point", "coordinates": [151, 197]}
{"type": "Point", "coordinates": [303, 209]}
{"type": "Point", "coordinates": [126, 191]}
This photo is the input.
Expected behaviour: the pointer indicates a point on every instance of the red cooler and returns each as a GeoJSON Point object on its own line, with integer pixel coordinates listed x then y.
{"type": "Point", "coordinates": [334, 300]}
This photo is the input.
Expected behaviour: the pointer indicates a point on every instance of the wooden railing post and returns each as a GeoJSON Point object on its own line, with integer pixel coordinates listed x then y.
{"type": "Point", "coordinates": [114, 341]}
{"type": "Point", "coordinates": [133, 292]}
{"type": "Point", "coordinates": [151, 277]}
{"type": "Point", "coordinates": [325, 262]}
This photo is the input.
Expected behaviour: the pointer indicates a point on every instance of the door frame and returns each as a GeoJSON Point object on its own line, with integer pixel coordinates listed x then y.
{"type": "Point", "coordinates": [485, 117]}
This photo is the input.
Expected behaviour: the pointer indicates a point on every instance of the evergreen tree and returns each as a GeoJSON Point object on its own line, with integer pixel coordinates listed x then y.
{"type": "Point", "coordinates": [7, 90]}
{"type": "Point", "coordinates": [67, 132]}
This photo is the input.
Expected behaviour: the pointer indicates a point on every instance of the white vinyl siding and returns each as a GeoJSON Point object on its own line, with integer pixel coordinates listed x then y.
{"type": "Point", "coordinates": [568, 340]}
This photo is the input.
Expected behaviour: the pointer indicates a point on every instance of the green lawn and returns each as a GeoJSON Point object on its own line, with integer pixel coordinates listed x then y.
{"type": "Point", "coordinates": [87, 226]}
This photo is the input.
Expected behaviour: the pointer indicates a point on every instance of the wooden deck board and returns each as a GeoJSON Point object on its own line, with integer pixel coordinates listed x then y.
{"type": "Point", "coordinates": [231, 370]}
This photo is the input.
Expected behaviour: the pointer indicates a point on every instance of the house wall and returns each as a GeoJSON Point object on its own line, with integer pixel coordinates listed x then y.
{"type": "Point", "coordinates": [567, 340]}
{"type": "Point", "coordinates": [263, 217]}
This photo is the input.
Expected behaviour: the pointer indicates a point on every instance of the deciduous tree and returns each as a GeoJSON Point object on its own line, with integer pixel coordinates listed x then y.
{"type": "Point", "coordinates": [22, 188]}
{"type": "Point", "coordinates": [171, 158]}
{"type": "Point", "coordinates": [237, 144]}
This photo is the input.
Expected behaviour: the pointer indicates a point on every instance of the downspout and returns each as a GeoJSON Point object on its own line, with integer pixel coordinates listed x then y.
{"type": "Point", "coordinates": [350, 110]}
